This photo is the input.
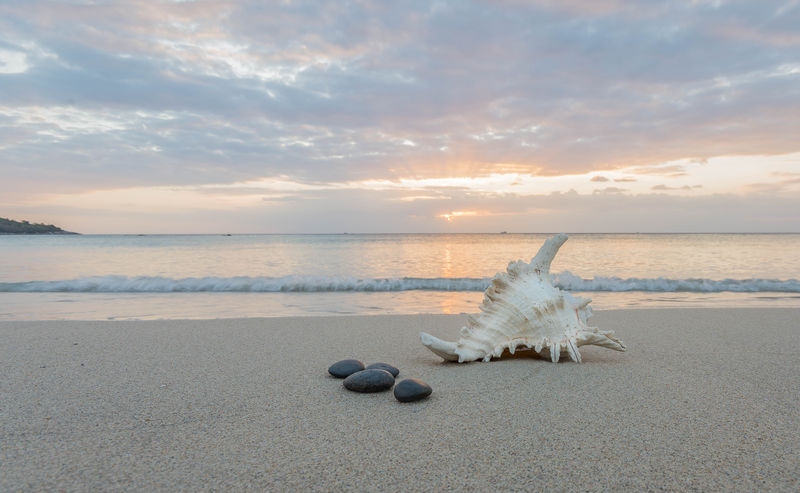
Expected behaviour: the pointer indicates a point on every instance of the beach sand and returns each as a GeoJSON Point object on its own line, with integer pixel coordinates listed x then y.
{"type": "Point", "coordinates": [704, 399]}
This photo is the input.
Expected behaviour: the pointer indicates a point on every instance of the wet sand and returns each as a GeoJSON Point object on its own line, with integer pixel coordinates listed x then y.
{"type": "Point", "coordinates": [704, 399]}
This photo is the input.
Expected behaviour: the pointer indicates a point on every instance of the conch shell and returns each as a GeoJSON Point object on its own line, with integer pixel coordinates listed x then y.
{"type": "Point", "coordinates": [522, 309]}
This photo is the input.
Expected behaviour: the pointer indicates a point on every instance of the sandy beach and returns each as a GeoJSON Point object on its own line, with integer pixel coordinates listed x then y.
{"type": "Point", "coordinates": [704, 399]}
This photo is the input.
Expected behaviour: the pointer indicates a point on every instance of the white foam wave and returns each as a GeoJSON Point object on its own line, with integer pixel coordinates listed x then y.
{"type": "Point", "coordinates": [122, 284]}
{"type": "Point", "coordinates": [571, 282]}
{"type": "Point", "coordinates": [564, 280]}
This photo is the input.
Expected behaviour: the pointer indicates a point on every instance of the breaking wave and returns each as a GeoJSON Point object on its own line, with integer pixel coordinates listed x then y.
{"type": "Point", "coordinates": [315, 284]}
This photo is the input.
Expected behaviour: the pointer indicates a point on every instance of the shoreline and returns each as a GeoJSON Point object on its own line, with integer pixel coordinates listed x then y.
{"type": "Point", "coordinates": [59, 306]}
{"type": "Point", "coordinates": [215, 404]}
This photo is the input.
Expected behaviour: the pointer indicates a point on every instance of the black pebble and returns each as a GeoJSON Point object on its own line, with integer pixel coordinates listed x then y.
{"type": "Point", "coordinates": [384, 366]}
{"type": "Point", "coordinates": [369, 381]}
{"type": "Point", "coordinates": [345, 368]}
{"type": "Point", "coordinates": [411, 389]}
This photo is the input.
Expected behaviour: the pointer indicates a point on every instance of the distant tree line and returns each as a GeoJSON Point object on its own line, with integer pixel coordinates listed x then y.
{"type": "Point", "coordinates": [11, 227]}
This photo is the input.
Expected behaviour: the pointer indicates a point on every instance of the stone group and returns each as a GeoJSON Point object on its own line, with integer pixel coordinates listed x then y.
{"type": "Point", "coordinates": [378, 377]}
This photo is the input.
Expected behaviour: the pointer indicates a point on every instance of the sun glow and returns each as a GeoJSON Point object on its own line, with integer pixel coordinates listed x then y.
{"type": "Point", "coordinates": [421, 201]}
{"type": "Point", "coordinates": [454, 214]}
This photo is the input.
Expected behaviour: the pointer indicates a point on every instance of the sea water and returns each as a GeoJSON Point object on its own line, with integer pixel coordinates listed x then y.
{"type": "Point", "coordinates": [95, 277]}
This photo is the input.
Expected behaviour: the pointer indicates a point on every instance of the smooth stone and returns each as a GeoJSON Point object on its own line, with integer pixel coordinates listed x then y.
{"type": "Point", "coordinates": [345, 368]}
{"type": "Point", "coordinates": [412, 389]}
{"type": "Point", "coordinates": [384, 366]}
{"type": "Point", "coordinates": [369, 381]}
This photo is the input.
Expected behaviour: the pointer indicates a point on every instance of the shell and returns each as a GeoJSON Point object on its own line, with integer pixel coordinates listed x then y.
{"type": "Point", "coordinates": [522, 309]}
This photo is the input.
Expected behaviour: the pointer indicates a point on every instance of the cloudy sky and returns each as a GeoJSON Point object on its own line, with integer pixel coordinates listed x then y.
{"type": "Point", "coordinates": [408, 116]}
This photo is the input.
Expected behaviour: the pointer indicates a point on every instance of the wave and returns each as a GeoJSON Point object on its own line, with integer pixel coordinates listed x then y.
{"type": "Point", "coordinates": [317, 284]}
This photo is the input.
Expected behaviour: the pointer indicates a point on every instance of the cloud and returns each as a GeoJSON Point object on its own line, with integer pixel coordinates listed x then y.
{"type": "Point", "coordinates": [99, 97]}
{"type": "Point", "coordinates": [359, 210]}
{"type": "Point", "coordinates": [684, 187]}
{"type": "Point", "coordinates": [660, 169]}
{"type": "Point", "coordinates": [336, 93]}
{"type": "Point", "coordinates": [610, 190]}
{"type": "Point", "coordinates": [786, 178]}
{"type": "Point", "coordinates": [13, 62]}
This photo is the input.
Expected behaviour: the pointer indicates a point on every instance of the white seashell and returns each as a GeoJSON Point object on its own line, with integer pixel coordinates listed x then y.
{"type": "Point", "coordinates": [522, 309]}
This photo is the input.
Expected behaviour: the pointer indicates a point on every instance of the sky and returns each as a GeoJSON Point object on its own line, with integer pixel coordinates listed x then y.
{"type": "Point", "coordinates": [406, 116]}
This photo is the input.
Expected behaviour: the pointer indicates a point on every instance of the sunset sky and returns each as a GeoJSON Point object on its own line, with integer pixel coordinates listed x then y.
{"type": "Point", "coordinates": [429, 116]}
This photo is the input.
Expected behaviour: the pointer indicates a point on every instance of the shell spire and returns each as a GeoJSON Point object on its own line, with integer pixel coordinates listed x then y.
{"type": "Point", "coordinates": [522, 309]}
{"type": "Point", "coordinates": [544, 257]}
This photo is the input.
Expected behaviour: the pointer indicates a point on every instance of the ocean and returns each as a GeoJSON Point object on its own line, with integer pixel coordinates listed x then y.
{"type": "Point", "coordinates": [137, 277]}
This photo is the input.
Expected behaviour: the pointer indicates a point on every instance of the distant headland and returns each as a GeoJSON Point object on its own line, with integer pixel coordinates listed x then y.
{"type": "Point", "coordinates": [11, 227]}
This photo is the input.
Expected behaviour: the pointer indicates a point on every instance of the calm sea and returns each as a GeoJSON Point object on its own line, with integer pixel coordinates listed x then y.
{"type": "Point", "coordinates": [98, 277]}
